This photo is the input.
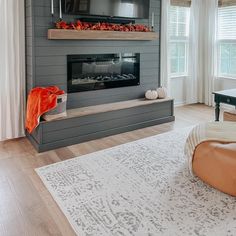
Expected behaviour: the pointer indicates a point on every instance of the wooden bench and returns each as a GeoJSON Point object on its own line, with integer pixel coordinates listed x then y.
{"type": "Point", "coordinates": [93, 122]}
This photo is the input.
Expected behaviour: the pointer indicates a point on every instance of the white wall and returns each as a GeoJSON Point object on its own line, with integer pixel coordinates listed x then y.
{"type": "Point", "coordinates": [225, 83]}
{"type": "Point", "coordinates": [178, 90]}
{"type": "Point", "coordinates": [178, 87]}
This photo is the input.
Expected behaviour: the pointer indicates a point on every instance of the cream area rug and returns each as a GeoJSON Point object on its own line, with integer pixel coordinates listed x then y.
{"type": "Point", "coordinates": [141, 188]}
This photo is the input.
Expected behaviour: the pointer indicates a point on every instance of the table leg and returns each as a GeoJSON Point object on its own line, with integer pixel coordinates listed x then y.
{"type": "Point", "coordinates": [217, 111]}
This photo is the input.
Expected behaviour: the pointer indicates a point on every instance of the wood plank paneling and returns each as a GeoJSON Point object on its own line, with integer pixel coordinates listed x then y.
{"type": "Point", "coordinates": [102, 134]}
{"type": "Point", "coordinates": [83, 125]}
{"type": "Point", "coordinates": [83, 116]}
{"type": "Point", "coordinates": [30, 56]}
{"type": "Point", "coordinates": [47, 58]}
{"type": "Point", "coordinates": [104, 126]}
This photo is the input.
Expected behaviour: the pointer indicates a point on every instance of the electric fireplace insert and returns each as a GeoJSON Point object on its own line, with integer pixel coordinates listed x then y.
{"type": "Point", "coordinates": [102, 71]}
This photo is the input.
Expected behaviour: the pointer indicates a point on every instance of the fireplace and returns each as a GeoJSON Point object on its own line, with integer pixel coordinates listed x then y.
{"type": "Point", "coordinates": [102, 71]}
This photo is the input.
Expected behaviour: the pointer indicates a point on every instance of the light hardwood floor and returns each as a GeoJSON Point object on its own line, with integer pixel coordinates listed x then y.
{"type": "Point", "coordinates": [26, 208]}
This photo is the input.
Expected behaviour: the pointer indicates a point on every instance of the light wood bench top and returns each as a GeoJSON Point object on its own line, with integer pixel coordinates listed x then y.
{"type": "Point", "coordinates": [90, 110]}
{"type": "Point", "coordinates": [84, 111]}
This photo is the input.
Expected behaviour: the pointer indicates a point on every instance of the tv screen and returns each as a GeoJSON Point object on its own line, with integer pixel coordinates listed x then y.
{"type": "Point", "coordinates": [108, 8]}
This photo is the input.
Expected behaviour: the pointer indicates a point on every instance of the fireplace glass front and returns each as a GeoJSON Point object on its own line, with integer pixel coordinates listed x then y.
{"type": "Point", "coordinates": [102, 71]}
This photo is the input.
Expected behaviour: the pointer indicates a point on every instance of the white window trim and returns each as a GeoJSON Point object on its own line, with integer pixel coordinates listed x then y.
{"type": "Point", "coordinates": [219, 75]}
{"type": "Point", "coordinates": [180, 40]}
{"type": "Point", "coordinates": [181, 76]}
{"type": "Point", "coordinates": [226, 78]}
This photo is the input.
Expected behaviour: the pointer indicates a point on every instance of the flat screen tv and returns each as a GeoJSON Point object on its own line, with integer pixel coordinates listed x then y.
{"type": "Point", "coordinates": [108, 8]}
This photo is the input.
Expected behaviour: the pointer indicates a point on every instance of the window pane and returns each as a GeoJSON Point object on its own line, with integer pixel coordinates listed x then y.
{"type": "Point", "coordinates": [233, 51]}
{"type": "Point", "coordinates": [233, 67]}
{"type": "Point", "coordinates": [178, 56]}
{"type": "Point", "coordinates": [182, 29]}
{"type": "Point", "coordinates": [182, 50]}
{"type": "Point", "coordinates": [227, 59]}
{"type": "Point", "coordinates": [173, 15]}
{"type": "Point", "coordinates": [227, 38]}
{"type": "Point", "coordinates": [174, 66]}
{"type": "Point", "coordinates": [179, 21]}
{"type": "Point", "coordinates": [227, 22]}
{"type": "Point", "coordinates": [173, 50]}
{"type": "Point", "coordinates": [172, 29]}
{"type": "Point", "coordinates": [225, 50]}
{"type": "Point", "coordinates": [182, 15]}
{"type": "Point", "coordinates": [179, 36]}
{"type": "Point", "coordinates": [182, 68]}
{"type": "Point", "coordinates": [224, 67]}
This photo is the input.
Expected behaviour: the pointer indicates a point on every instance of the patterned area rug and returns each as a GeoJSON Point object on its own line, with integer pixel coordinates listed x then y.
{"type": "Point", "coordinates": [141, 188]}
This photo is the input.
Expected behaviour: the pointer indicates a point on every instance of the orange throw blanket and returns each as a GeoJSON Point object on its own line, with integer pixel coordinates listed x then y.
{"type": "Point", "coordinates": [40, 101]}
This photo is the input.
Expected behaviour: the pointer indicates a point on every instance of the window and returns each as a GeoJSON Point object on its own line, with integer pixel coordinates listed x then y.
{"type": "Point", "coordinates": [179, 40]}
{"type": "Point", "coordinates": [227, 41]}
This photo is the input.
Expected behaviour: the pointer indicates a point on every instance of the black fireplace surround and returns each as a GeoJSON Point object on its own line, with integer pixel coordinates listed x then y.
{"type": "Point", "coordinates": [102, 71]}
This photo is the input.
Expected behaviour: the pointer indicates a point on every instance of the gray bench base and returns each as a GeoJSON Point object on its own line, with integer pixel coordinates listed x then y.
{"type": "Point", "coordinates": [60, 133]}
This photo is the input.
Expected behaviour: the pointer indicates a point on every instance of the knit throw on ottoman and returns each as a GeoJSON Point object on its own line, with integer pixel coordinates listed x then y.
{"type": "Point", "coordinates": [211, 152]}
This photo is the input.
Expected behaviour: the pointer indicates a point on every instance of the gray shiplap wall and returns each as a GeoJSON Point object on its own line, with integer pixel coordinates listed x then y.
{"type": "Point", "coordinates": [46, 59]}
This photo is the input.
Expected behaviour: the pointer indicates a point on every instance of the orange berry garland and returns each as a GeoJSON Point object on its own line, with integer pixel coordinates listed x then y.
{"type": "Point", "coordinates": [79, 25]}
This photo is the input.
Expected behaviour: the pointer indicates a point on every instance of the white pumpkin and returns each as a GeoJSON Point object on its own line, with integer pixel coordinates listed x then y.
{"type": "Point", "coordinates": [151, 95]}
{"type": "Point", "coordinates": [162, 92]}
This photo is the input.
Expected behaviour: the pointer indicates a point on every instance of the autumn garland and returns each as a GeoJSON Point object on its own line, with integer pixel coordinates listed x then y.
{"type": "Point", "coordinates": [79, 25]}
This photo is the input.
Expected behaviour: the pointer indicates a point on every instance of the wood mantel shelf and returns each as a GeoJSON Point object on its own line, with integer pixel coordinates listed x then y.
{"type": "Point", "coordinates": [61, 34]}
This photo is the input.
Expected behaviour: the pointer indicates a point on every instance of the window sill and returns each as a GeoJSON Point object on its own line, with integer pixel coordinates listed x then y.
{"type": "Point", "coordinates": [226, 78]}
{"type": "Point", "coordinates": [178, 76]}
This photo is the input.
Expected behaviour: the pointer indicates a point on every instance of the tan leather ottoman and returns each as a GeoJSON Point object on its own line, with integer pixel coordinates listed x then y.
{"type": "Point", "coordinates": [230, 115]}
{"type": "Point", "coordinates": [215, 164]}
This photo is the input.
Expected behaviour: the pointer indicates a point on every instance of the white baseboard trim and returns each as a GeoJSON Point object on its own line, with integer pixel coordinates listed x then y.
{"type": "Point", "coordinates": [180, 104]}
{"type": "Point", "coordinates": [226, 106]}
